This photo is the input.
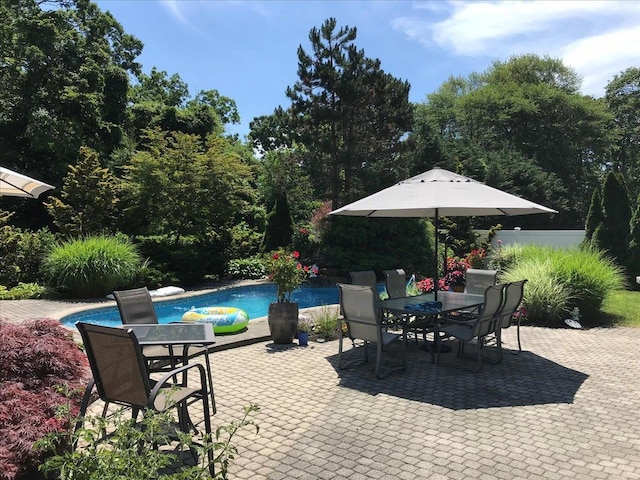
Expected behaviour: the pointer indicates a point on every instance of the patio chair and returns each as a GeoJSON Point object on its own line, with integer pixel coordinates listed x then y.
{"type": "Point", "coordinates": [465, 328]}
{"type": "Point", "coordinates": [136, 307]}
{"type": "Point", "coordinates": [364, 277]}
{"type": "Point", "coordinates": [395, 282]}
{"type": "Point", "coordinates": [364, 322]}
{"type": "Point", "coordinates": [121, 376]}
{"type": "Point", "coordinates": [477, 280]}
{"type": "Point", "coordinates": [513, 294]}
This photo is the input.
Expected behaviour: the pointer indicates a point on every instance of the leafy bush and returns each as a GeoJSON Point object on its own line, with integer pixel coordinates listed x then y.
{"type": "Point", "coordinates": [131, 451]}
{"type": "Point", "coordinates": [560, 279]}
{"type": "Point", "coordinates": [355, 243]}
{"type": "Point", "coordinates": [246, 269]}
{"type": "Point", "coordinates": [92, 266]}
{"type": "Point", "coordinates": [185, 261]}
{"type": "Point", "coordinates": [35, 358]}
{"type": "Point", "coordinates": [22, 253]}
{"type": "Point", "coordinates": [22, 291]}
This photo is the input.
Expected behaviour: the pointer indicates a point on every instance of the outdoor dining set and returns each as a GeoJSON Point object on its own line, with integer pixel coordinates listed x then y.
{"type": "Point", "coordinates": [144, 365]}
{"type": "Point", "coordinates": [476, 316]}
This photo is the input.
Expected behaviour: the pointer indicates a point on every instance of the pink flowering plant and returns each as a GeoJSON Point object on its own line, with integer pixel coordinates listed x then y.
{"type": "Point", "coordinates": [475, 258]}
{"type": "Point", "coordinates": [426, 285]}
{"type": "Point", "coordinates": [455, 276]}
{"type": "Point", "coordinates": [287, 272]}
{"type": "Point", "coordinates": [456, 271]}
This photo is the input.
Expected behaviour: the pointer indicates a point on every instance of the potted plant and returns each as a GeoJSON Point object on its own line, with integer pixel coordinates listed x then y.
{"type": "Point", "coordinates": [286, 271]}
{"type": "Point", "coordinates": [455, 274]}
{"type": "Point", "coordinates": [303, 329]}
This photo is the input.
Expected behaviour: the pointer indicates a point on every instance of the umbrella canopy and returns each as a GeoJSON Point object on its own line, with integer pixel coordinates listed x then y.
{"type": "Point", "coordinates": [436, 193]}
{"type": "Point", "coordinates": [13, 184]}
{"type": "Point", "coordinates": [440, 192]}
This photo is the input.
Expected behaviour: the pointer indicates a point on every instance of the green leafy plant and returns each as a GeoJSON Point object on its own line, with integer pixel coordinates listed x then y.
{"type": "Point", "coordinates": [286, 271]}
{"type": "Point", "coordinates": [141, 450]}
{"type": "Point", "coordinates": [92, 266]}
{"type": "Point", "coordinates": [22, 253]}
{"type": "Point", "coordinates": [22, 291]}
{"type": "Point", "coordinates": [246, 268]}
{"type": "Point", "coordinates": [326, 322]}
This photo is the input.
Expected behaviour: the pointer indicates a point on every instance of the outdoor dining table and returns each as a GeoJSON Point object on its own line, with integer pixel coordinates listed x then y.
{"type": "Point", "coordinates": [423, 308]}
{"type": "Point", "coordinates": [178, 334]}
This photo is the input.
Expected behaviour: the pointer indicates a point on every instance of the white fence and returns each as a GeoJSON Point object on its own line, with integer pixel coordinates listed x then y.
{"type": "Point", "coordinates": [554, 238]}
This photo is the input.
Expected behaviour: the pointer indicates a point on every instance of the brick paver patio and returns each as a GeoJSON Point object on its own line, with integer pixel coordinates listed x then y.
{"type": "Point", "coordinates": [567, 407]}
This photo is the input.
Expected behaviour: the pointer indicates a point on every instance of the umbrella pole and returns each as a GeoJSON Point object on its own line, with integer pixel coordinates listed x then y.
{"type": "Point", "coordinates": [435, 264]}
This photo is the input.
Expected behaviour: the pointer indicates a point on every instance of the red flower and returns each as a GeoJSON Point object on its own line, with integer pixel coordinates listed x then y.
{"type": "Point", "coordinates": [296, 254]}
{"type": "Point", "coordinates": [276, 256]}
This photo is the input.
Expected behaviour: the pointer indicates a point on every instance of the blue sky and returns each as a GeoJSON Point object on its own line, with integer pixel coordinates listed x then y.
{"type": "Point", "coordinates": [247, 49]}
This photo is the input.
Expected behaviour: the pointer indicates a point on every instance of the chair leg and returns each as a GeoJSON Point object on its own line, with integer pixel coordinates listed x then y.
{"type": "Point", "coordinates": [519, 344]}
{"type": "Point", "coordinates": [207, 430]}
{"type": "Point", "coordinates": [340, 338]}
{"type": "Point", "coordinates": [378, 358]}
{"type": "Point", "coordinates": [210, 381]}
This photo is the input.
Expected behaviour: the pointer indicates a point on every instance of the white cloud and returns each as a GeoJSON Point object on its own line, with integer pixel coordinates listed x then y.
{"type": "Point", "coordinates": [600, 57]}
{"type": "Point", "coordinates": [173, 6]}
{"type": "Point", "coordinates": [597, 38]}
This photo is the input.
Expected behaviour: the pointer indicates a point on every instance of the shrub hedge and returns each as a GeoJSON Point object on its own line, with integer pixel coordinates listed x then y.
{"type": "Point", "coordinates": [560, 279]}
{"type": "Point", "coordinates": [92, 266]}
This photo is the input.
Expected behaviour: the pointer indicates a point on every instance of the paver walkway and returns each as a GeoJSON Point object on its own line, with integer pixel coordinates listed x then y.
{"type": "Point", "coordinates": [567, 407]}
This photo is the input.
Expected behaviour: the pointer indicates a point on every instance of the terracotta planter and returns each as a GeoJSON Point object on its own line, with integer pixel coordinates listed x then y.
{"type": "Point", "coordinates": [283, 321]}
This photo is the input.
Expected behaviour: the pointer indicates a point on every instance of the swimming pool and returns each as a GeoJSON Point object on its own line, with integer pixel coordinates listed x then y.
{"type": "Point", "coordinates": [253, 299]}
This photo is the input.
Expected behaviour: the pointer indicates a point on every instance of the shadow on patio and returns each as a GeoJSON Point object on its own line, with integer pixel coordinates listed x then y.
{"type": "Point", "coordinates": [526, 379]}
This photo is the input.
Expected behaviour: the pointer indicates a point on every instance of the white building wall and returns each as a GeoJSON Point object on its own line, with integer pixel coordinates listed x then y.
{"type": "Point", "coordinates": [554, 238]}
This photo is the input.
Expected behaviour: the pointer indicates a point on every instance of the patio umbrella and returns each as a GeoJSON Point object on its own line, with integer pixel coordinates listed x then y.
{"type": "Point", "coordinates": [436, 193]}
{"type": "Point", "coordinates": [13, 184]}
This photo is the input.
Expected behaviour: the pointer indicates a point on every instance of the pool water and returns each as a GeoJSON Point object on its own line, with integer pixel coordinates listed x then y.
{"type": "Point", "coordinates": [253, 299]}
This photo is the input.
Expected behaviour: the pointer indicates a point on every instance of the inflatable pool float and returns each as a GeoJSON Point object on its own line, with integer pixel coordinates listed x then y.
{"type": "Point", "coordinates": [224, 319]}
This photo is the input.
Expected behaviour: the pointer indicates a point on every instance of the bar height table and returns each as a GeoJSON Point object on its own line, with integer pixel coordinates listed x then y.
{"type": "Point", "coordinates": [178, 334]}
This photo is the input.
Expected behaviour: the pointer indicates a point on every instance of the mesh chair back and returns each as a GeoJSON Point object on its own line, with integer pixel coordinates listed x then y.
{"type": "Point", "coordinates": [493, 298]}
{"type": "Point", "coordinates": [477, 280]}
{"type": "Point", "coordinates": [135, 306]}
{"type": "Point", "coordinates": [513, 294]}
{"type": "Point", "coordinates": [357, 303]}
{"type": "Point", "coordinates": [118, 367]}
{"type": "Point", "coordinates": [366, 277]}
{"type": "Point", "coordinates": [396, 283]}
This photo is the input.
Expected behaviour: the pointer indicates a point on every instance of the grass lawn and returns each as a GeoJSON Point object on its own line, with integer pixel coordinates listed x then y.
{"type": "Point", "coordinates": [621, 308]}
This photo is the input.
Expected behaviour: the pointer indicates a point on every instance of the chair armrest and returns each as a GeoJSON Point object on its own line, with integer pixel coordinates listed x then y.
{"type": "Point", "coordinates": [169, 375]}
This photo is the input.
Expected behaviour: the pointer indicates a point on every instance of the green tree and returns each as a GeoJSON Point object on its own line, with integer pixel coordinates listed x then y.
{"type": "Point", "coordinates": [272, 132]}
{"type": "Point", "coordinates": [623, 100]}
{"type": "Point", "coordinates": [531, 106]}
{"type": "Point", "coordinates": [634, 243]}
{"type": "Point", "coordinates": [279, 231]}
{"type": "Point", "coordinates": [594, 217]}
{"type": "Point", "coordinates": [612, 234]}
{"type": "Point", "coordinates": [89, 198]}
{"type": "Point", "coordinates": [349, 114]}
{"type": "Point", "coordinates": [178, 186]}
{"type": "Point", "coordinates": [157, 87]}
{"type": "Point", "coordinates": [63, 83]}
{"type": "Point", "coordinates": [281, 171]}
